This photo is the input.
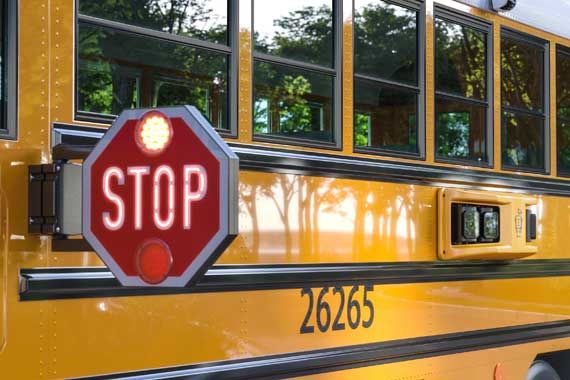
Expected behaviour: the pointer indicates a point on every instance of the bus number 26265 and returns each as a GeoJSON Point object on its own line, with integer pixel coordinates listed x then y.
{"type": "Point", "coordinates": [354, 309]}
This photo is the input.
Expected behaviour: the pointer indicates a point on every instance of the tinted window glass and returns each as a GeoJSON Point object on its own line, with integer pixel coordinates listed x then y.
{"type": "Point", "coordinates": [522, 94]}
{"type": "Point", "coordinates": [386, 41]}
{"type": "Point", "coordinates": [149, 73]}
{"type": "Point", "coordinates": [461, 60]}
{"type": "Point", "coordinates": [522, 75]}
{"type": "Point", "coordinates": [203, 19]}
{"type": "Point", "coordinates": [563, 84]}
{"type": "Point", "coordinates": [292, 102]}
{"type": "Point", "coordinates": [385, 117]}
{"type": "Point", "coordinates": [563, 139]}
{"type": "Point", "coordinates": [563, 110]}
{"type": "Point", "coordinates": [460, 130]}
{"type": "Point", "coordinates": [523, 141]}
{"type": "Point", "coordinates": [461, 91]}
{"type": "Point", "coordinates": [295, 29]}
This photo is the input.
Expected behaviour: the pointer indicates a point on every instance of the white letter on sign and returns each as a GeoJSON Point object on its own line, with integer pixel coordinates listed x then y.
{"type": "Point", "coordinates": [189, 195]}
{"type": "Point", "coordinates": [120, 219]}
{"type": "Point", "coordinates": [163, 224]}
{"type": "Point", "coordinates": [138, 172]}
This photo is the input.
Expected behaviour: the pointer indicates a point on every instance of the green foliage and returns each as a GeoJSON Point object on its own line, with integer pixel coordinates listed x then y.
{"type": "Point", "coordinates": [521, 75]}
{"type": "Point", "coordinates": [305, 35]}
{"type": "Point", "coordinates": [453, 134]}
{"type": "Point", "coordinates": [385, 42]}
{"type": "Point", "coordinates": [294, 113]}
{"type": "Point", "coordinates": [461, 60]}
{"type": "Point", "coordinates": [282, 102]}
{"type": "Point", "coordinates": [282, 95]}
{"type": "Point", "coordinates": [564, 145]}
{"type": "Point", "coordinates": [118, 71]}
{"type": "Point", "coordinates": [193, 18]}
{"type": "Point", "coordinates": [361, 129]}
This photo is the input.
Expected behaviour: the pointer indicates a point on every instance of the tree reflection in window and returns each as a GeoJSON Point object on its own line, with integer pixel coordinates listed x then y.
{"type": "Point", "coordinates": [523, 101]}
{"type": "Point", "coordinates": [292, 102]}
{"type": "Point", "coordinates": [293, 80]}
{"type": "Point", "coordinates": [453, 139]}
{"type": "Point", "coordinates": [385, 41]}
{"type": "Point", "coordinates": [202, 19]}
{"type": "Point", "coordinates": [118, 70]}
{"type": "Point", "coordinates": [386, 88]}
{"type": "Point", "coordinates": [301, 30]}
{"type": "Point", "coordinates": [461, 56]}
{"type": "Point", "coordinates": [563, 109]}
{"type": "Point", "coordinates": [461, 89]}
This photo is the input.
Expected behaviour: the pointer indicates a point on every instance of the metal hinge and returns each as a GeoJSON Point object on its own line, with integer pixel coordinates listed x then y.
{"type": "Point", "coordinates": [54, 199]}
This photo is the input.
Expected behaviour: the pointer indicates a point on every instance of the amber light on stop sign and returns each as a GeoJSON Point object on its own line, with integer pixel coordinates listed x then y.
{"type": "Point", "coordinates": [153, 133]}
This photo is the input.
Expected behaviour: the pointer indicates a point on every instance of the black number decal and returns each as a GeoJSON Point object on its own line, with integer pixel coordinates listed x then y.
{"type": "Point", "coordinates": [336, 324]}
{"type": "Point", "coordinates": [324, 316]}
{"type": "Point", "coordinates": [323, 305]}
{"type": "Point", "coordinates": [353, 304]}
{"type": "Point", "coordinates": [305, 329]}
{"type": "Point", "coordinates": [368, 304]}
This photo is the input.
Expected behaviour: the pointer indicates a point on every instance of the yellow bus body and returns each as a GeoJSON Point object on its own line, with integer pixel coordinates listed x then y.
{"type": "Point", "coordinates": [77, 336]}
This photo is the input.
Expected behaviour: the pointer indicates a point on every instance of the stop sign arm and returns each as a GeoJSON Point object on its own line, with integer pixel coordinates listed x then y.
{"type": "Point", "coordinates": [170, 250]}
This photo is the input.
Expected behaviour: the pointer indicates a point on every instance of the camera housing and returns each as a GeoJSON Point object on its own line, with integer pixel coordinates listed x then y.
{"type": "Point", "coordinates": [504, 5]}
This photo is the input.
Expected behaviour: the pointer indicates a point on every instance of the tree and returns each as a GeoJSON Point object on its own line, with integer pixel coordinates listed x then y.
{"type": "Point", "coordinates": [149, 72]}
{"type": "Point", "coordinates": [385, 42]}
{"type": "Point", "coordinates": [286, 98]}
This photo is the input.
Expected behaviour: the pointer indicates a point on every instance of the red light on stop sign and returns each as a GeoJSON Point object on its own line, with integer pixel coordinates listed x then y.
{"type": "Point", "coordinates": [154, 261]}
{"type": "Point", "coordinates": [158, 209]}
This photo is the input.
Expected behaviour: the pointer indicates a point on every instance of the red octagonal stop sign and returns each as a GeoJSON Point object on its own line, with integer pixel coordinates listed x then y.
{"type": "Point", "coordinates": [160, 196]}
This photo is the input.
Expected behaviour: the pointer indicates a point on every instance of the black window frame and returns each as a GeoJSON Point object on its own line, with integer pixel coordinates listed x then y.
{"type": "Point", "coordinates": [231, 50]}
{"type": "Point", "coordinates": [419, 90]}
{"type": "Point", "coordinates": [560, 172]}
{"type": "Point", "coordinates": [9, 88]}
{"type": "Point", "coordinates": [484, 26]}
{"type": "Point", "coordinates": [529, 39]}
{"type": "Point", "coordinates": [335, 71]}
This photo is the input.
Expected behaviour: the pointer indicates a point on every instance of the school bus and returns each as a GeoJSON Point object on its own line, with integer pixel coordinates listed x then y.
{"type": "Point", "coordinates": [404, 201]}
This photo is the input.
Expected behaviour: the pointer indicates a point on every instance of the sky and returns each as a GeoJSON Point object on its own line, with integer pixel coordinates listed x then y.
{"type": "Point", "coordinates": [266, 11]}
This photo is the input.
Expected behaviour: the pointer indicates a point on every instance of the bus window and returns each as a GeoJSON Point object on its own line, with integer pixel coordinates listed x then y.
{"type": "Point", "coordinates": [563, 109]}
{"type": "Point", "coordinates": [523, 97]}
{"type": "Point", "coordinates": [152, 72]}
{"type": "Point", "coordinates": [386, 80]}
{"type": "Point", "coordinates": [295, 75]}
{"type": "Point", "coordinates": [288, 96]}
{"type": "Point", "coordinates": [461, 85]}
{"type": "Point", "coordinates": [389, 125]}
{"type": "Point", "coordinates": [204, 20]}
{"type": "Point", "coordinates": [8, 63]}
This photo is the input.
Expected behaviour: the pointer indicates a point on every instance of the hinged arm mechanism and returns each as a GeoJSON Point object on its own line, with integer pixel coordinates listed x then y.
{"type": "Point", "coordinates": [54, 197]}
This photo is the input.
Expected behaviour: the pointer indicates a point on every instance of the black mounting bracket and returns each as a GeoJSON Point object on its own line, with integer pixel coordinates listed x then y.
{"type": "Point", "coordinates": [54, 199]}
{"type": "Point", "coordinates": [42, 201]}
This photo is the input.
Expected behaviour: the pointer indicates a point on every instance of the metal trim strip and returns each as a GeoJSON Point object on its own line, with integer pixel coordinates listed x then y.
{"type": "Point", "coordinates": [66, 283]}
{"type": "Point", "coordinates": [355, 356]}
{"type": "Point", "coordinates": [333, 165]}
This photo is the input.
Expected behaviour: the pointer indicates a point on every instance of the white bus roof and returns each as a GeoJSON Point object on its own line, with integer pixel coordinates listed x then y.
{"type": "Point", "coordinates": [549, 15]}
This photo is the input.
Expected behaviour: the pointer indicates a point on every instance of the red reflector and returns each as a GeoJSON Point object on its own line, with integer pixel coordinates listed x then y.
{"type": "Point", "coordinates": [154, 261]}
